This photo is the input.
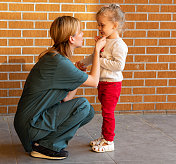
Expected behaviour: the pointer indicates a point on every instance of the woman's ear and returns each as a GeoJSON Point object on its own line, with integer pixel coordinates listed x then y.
{"type": "Point", "coordinates": [71, 39]}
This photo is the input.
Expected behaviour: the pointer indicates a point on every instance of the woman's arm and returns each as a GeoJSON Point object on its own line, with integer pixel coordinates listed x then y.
{"type": "Point", "coordinates": [93, 77]}
{"type": "Point", "coordinates": [70, 95]}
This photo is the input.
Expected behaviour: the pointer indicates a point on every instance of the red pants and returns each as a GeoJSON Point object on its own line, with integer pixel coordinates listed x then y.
{"type": "Point", "coordinates": [108, 94]}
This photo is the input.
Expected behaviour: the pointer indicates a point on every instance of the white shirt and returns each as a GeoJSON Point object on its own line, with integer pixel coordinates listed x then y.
{"type": "Point", "coordinates": [112, 61]}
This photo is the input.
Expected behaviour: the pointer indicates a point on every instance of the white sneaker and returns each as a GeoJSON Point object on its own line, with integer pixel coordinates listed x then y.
{"type": "Point", "coordinates": [97, 141]}
{"type": "Point", "coordinates": [101, 149]}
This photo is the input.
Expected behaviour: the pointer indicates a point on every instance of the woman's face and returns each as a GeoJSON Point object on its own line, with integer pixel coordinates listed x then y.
{"type": "Point", "coordinates": [78, 38]}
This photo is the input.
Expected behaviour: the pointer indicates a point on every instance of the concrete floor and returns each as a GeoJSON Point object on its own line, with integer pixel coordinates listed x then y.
{"type": "Point", "coordinates": [140, 139]}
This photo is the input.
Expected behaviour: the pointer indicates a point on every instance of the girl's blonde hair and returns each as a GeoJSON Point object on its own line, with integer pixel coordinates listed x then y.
{"type": "Point", "coordinates": [115, 14]}
{"type": "Point", "coordinates": [60, 31]}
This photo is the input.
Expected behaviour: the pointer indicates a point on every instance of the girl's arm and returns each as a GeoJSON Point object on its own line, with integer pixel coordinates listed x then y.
{"type": "Point", "coordinates": [119, 54]}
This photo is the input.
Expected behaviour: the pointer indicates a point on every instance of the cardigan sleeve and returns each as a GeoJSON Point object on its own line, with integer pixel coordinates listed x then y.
{"type": "Point", "coordinates": [117, 63]}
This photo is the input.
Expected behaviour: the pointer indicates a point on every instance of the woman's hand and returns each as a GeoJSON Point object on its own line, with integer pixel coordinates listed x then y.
{"type": "Point", "coordinates": [81, 66]}
{"type": "Point", "coordinates": [100, 43]}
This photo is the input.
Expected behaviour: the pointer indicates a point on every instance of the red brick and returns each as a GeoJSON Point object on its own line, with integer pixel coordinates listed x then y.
{"type": "Point", "coordinates": [10, 51]}
{"type": "Point", "coordinates": [128, 8]}
{"type": "Point", "coordinates": [147, 8]}
{"type": "Point", "coordinates": [34, 33]}
{"type": "Point", "coordinates": [143, 90]}
{"type": "Point", "coordinates": [133, 83]}
{"type": "Point", "coordinates": [144, 106]}
{"type": "Point", "coordinates": [145, 42]}
{"type": "Point", "coordinates": [171, 98]}
{"type": "Point", "coordinates": [173, 50]}
{"type": "Point", "coordinates": [127, 74]}
{"type": "Point", "coordinates": [47, 7]}
{"type": "Point", "coordinates": [129, 58]}
{"type": "Point", "coordinates": [21, 59]}
{"type": "Point", "coordinates": [158, 34]}
{"type": "Point", "coordinates": [155, 98]}
{"type": "Point", "coordinates": [18, 76]}
{"type": "Point", "coordinates": [144, 74]}
{"type": "Point", "coordinates": [15, 93]}
{"type": "Point", "coordinates": [136, 66]}
{"type": "Point", "coordinates": [145, 58]}
{"type": "Point", "coordinates": [136, 17]}
{"type": "Point", "coordinates": [3, 93]}
{"type": "Point", "coordinates": [157, 66]}
{"type": "Point", "coordinates": [161, 1]}
{"type": "Point", "coordinates": [10, 68]}
{"type": "Point", "coordinates": [10, 33]}
{"type": "Point", "coordinates": [167, 58]}
{"type": "Point", "coordinates": [165, 106]}
{"type": "Point", "coordinates": [21, 7]}
{"type": "Point", "coordinates": [136, 1]}
{"type": "Point", "coordinates": [134, 34]}
{"type": "Point", "coordinates": [159, 17]}
{"type": "Point", "coordinates": [3, 59]}
{"type": "Point", "coordinates": [166, 90]}
{"type": "Point", "coordinates": [167, 42]}
{"type": "Point", "coordinates": [21, 24]}
{"type": "Point", "coordinates": [147, 25]}
{"type": "Point", "coordinates": [123, 107]}
{"type": "Point", "coordinates": [73, 8]}
{"type": "Point", "coordinates": [172, 82]}
{"type": "Point", "coordinates": [136, 50]}
{"type": "Point", "coordinates": [130, 98]}
{"type": "Point", "coordinates": [12, 109]}
{"type": "Point", "coordinates": [3, 76]}
{"type": "Point", "coordinates": [3, 109]}
{"type": "Point", "coordinates": [167, 25]}
{"type": "Point", "coordinates": [172, 66]}
{"type": "Point", "coordinates": [111, 1]}
{"type": "Point", "coordinates": [9, 84]}
{"type": "Point", "coordinates": [36, 50]}
{"type": "Point", "coordinates": [157, 50]}
{"type": "Point", "coordinates": [27, 67]}
{"type": "Point", "coordinates": [167, 74]}
{"type": "Point", "coordinates": [155, 82]}
{"type": "Point", "coordinates": [9, 101]}
{"type": "Point", "coordinates": [168, 8]}
{"type": "Point", "coordinates": [126, 91]}
{"type": "Point", "coordinates": [10, 15]}
{"type": "Point", "coordinates": [91, 91]}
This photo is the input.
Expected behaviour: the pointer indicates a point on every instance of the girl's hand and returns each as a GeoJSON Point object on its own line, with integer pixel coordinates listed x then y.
{"type": "Point", "coordinates": [81, 66]}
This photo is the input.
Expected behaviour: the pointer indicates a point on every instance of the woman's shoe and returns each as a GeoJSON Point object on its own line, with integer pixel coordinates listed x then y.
{"type": "Point", "coordinates": [96, 142]}
{"type": "Point", "coordinates": [42, 152]}
{"type": "Point", "coordinates": [104, 146]}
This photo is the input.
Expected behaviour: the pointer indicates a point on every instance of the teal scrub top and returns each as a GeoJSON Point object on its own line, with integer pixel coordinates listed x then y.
{"type": "Point", "coordinates": [49, 82]}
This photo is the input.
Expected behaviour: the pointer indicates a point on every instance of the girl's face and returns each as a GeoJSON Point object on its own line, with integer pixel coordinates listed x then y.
{"type": "Point", "coordinates": [106, 27]}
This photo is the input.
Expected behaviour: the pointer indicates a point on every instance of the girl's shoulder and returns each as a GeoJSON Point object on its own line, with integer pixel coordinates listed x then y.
{"type": "Point", "coordinates": [119, 44]}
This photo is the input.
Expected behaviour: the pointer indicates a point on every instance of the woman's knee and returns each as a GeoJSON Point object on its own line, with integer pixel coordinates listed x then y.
{"type": "Point", "coordinates": [84, 107]}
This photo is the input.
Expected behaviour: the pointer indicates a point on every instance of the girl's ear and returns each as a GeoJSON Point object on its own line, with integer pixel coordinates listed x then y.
{"type": "Point", "coordinates": [71, 39]}
{"type": "Point", "coordinates": [116, 25]}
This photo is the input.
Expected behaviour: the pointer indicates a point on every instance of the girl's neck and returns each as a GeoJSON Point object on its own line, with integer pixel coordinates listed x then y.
{"type": "Point", "coordinates": [114, 35]}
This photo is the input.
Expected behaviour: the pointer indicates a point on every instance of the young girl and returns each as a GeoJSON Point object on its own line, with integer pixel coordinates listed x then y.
{"type": "Point", "coordinates": [112, 62]}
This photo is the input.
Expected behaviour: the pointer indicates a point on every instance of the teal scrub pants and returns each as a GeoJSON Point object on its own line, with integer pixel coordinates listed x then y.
{"type": "Point", "coordinates": [73, 114]}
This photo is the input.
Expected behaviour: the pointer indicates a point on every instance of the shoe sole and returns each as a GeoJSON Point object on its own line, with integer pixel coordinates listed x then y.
{"type": "Point", "coordinates": [38, 155]}
{"type": "Point", "coordinates": [102, 151]}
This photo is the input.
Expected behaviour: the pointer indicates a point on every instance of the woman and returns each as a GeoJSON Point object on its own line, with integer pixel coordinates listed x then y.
{"type": "Point", "coordinates": [47, 117]}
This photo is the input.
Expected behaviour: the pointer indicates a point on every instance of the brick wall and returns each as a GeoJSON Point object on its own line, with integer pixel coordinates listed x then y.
{"type": "Point", "coordinates": [149, 75]}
